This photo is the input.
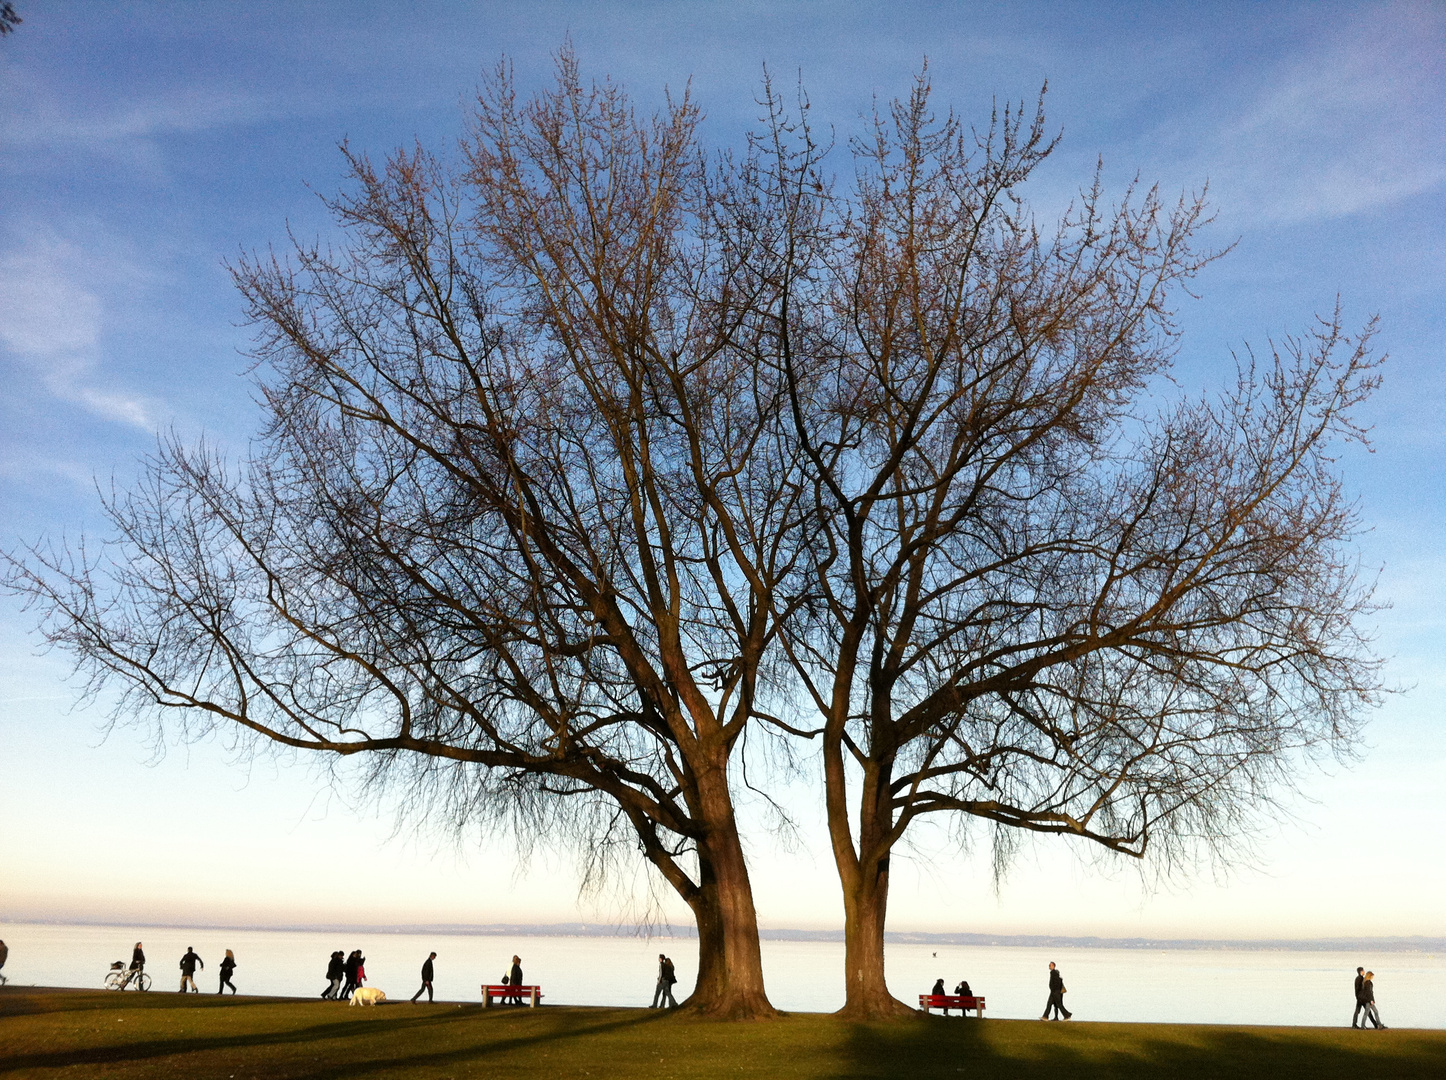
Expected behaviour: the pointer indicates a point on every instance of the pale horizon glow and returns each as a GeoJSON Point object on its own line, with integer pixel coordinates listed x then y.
{"type": "Point", "coordinates": [142, 145]}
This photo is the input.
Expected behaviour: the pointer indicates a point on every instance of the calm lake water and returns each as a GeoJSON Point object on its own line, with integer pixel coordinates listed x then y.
{"type": "Point", "coordinates": [1209, 986]}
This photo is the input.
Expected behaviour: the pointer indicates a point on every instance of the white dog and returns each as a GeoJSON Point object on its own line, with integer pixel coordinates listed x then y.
{"type": "Point", "coordinates": [368, 995]}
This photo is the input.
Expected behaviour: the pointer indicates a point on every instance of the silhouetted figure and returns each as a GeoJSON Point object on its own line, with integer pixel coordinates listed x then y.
{"type": "Point", "coordinates": [1368, 995]}
{"type": "Point", "coordinates": [335, 972]}
{"type": "Point", "coordinates": [138, 958]}
{"type": "Point", "coordinates": [1360, 996]}
{"type": "Point", "coordinates": [189, 963]}
{"type": "Point", "coordinates": [426, 978]}
{"type": "Point", "coordinates": [663, 994]}
{"type": "Point", "coordinates": [515, 978]}
{"type": "Point", "coordinates": [352, 967]}
{"type": "Point", "coordinates": [228, 965]}
{"type": "Point", "coordinates": [1056, 996]}
{"type": "Point", "coordinates": [4, 955]}
{"type": "Point", "coordinates": [963, 989]}
{"type": "Point", "coordinates": [938, 991]}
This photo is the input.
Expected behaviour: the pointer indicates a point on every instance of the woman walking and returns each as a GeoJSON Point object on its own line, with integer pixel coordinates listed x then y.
{"type": "Point", "coordinates": [228, 965]}
{"type": "Point", "coordinates": [1368, 999]}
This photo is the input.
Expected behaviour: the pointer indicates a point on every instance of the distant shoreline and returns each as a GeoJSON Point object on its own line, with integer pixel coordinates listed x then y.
{"type": "Point", "coordinates": [1418, 943]}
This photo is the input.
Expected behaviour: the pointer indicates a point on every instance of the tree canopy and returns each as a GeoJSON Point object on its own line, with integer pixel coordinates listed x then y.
{"type": "Point", "coordinates": [584, 453]}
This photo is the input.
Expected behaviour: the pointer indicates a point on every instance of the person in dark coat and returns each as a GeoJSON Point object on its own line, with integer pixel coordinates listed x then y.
{"type": "Point", "coordinates": [4, 955]}
{"type": "Point", "coordinates": [1056, 996]}
{"type": "Point", "coordinates": [426, 978]}
{"type": "Point", "coordinates": [1360, 999]}
{"type": "Point", "coordinates": [335, 972]}
{"type": "Point", "coordinates": [138, 958]}
{"type": "Point", "coordinates": [514, 980]}
{"type": "Point", "coordinates": [352, 966]}
{"type": "Point", "coordinates": [1368, 996]}
{"type": "Point", "coordinates": [189, 962]}
{"type": "Point", "coordinates": [228, 965]}
{"type": "Point", "coordinates": [938, 991]}
{"type": "Point", "coordinates": [962, 990]}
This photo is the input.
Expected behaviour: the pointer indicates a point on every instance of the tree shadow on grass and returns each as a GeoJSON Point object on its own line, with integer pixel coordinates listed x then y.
{"type": "Point", "coordinates": [349, 1045]}
{"type": "Point", "coordinates": [1026, 1050]}
{"type": "Point", "coordinates": [24, 1001]}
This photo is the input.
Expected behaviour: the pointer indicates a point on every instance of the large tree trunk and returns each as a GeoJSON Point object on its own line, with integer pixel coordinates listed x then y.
{"type": "Point", "coordinates": [865, 881]}
{"type": "Point", "coordinates": [730, 960]}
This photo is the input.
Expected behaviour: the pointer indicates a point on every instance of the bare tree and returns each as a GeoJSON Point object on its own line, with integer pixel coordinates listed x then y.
{"type": "Point", "coordinates": [1046, 595]}
{"type": "Point", "coordinates": [518, 521]}
{"type": "Point", "coordinates": [587, 457]}
{"type": "Point", "coordinates": [9, 18]}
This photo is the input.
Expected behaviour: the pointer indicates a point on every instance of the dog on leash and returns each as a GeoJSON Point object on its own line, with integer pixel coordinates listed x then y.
{"type": "Point", "coordinates": [368, 995]}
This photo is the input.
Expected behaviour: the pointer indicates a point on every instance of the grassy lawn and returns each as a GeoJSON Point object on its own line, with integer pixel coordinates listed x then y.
{"type": "Point", "coordinates": [101, 1034]}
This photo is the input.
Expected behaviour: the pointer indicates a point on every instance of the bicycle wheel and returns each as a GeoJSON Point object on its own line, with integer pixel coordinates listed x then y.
{"type": "Point", "coordinates": [142, 981]}
{"type": "Point", "coordinates": [115, 980]}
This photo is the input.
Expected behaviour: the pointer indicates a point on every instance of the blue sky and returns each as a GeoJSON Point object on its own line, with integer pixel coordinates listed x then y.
{"type": "Point", "coordinates": [141, 145]}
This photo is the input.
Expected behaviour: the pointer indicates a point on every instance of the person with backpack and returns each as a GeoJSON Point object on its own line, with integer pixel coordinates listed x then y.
{"type": "Point", "coordinates": [189, 963]}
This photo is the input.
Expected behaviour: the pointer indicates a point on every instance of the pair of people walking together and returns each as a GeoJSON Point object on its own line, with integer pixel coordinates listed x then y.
{"type": "Point", "coordinates": [1056, 996]}
{"type": "Point", "coordinates": [667, 976]}
{"type": "Point", "coordinates": [1366, 1000]}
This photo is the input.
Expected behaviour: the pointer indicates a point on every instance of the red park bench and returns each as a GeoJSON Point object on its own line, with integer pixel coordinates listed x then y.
{"type": "Point", "coordinates": [501, 992]}
{"type": "Point", "coordinates": [952, 1001]}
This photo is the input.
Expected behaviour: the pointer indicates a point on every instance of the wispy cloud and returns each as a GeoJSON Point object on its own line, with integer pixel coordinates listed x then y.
{"type": "Point", "coordinates": [52, 324]}
{"type": "Point", "coordinates": [1349, 124]}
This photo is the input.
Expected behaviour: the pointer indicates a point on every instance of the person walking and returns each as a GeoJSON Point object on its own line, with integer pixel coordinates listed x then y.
{"type": "Point", "coordinates": [228, 965]}
{"type": "Point", "coordinates": [426, 979]}
{"type": "Point", "coordinates": [1056, 996]}
{"type": "Point", "coordinates": [1360, 996]}
{"type": "Point", "coordinates": [353, 962]}
{"type": "Point", "coordinates": [515, 980]}
{"type": "Point", "coordinates": [335, 972]}
{"type": "Point", "coordinates": [667, 976]}
{"type": "Point", "coordinates": [189, 963]}
{"type": "Point", "coordinates": [4, 955]}
{"type": "Point", "coordinates": [1368, 995]}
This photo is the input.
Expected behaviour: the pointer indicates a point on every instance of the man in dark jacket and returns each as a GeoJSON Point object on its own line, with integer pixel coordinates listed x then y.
{"type": "Point", "coordinates": [189, 963]}
{"type": "Point", "coordinates": [352, 969]}
{"type": "Point", "coordinates": [335, 972]}
{"type": "Point", "coordinates": [426, 978]}
{"type": "Point", "coordinates": [1056, 996]}
{"type": "Point", "coordinates": [1360, 996]}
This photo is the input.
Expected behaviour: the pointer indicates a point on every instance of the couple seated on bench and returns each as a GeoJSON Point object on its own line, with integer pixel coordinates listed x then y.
{"type": "Point", "coordinates": [960, 991]}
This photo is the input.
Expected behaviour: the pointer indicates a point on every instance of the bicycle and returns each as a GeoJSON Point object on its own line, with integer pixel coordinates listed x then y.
{"type": "Point", "coordinates": [122, 977]}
